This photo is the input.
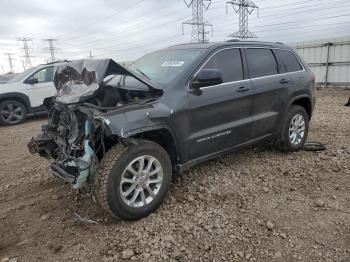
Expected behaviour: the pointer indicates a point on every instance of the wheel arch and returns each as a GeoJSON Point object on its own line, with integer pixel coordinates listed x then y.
{"type": "Point", "coordinates": [24, 99]}
{"type": "Point", "coordinates": [160, 134]}
{"type": "Point", "coordinates": [163, 136]}
{"type": "Point", "coordinates": [304, 102]}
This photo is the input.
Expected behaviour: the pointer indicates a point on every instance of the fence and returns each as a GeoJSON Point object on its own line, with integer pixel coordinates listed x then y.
{"type": "Point", "coordinates": [329, 59]}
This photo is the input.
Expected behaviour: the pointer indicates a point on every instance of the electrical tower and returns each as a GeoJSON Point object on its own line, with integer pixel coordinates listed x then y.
{"type": "Point", "coordinates": [27, 63]}
{"type": "Point", "coordinates": [51, 48]}
{"type": "Point", "coordinates": [198, 22]}
{"type": "Point", "coordinates": [91, 56]}
{"type": "Point", "coordinates": [10, 61]}
{"type": "Point", "coordinates": [244, 8]}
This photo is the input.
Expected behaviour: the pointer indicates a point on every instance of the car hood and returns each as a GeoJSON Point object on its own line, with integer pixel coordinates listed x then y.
{"type": "Point", "coordinates": [10, 87]}
{"type": "Point", "coordinates": [78, 80]}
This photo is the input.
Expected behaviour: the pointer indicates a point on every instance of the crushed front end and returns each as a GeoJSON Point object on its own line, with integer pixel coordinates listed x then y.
{"type": "Point", "coordinates": [74, 139]}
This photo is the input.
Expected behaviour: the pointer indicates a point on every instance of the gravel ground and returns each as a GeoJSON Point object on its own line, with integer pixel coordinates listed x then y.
{"type": "Point", "coordinates": [254, 205]}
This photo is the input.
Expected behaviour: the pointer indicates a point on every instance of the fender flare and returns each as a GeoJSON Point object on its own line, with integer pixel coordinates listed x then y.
{"type": "Point", "coordinates": [295, 98]}
{"type": "Point", "coordinates": [17, 96]}
{"type": "Point", "coordinates": [127, 136]}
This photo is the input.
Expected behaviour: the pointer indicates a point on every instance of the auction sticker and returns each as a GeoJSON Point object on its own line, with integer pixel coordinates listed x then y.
{"type": "Point", "coordinates": [173, 63]}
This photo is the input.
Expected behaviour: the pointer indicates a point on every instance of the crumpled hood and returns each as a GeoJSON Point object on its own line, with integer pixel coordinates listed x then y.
{"type": "Point", "coordinates": [79, 79]}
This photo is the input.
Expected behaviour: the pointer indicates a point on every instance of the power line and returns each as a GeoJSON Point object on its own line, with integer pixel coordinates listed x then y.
{"type": "Point", "coordinates": [27, 63]}
{"type": "Point", "coordinates": [198, 22]}
{"type": "Point", "coordinates": [244, 8]}
{"type": "Point", "coordinates": [10, 59]}
{"type": "Point", "coordinates": [51, 48]}
{"type": "Point", "coordinates": [106, 17]}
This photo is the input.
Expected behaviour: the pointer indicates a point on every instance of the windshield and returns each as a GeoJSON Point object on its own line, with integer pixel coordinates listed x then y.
{"type": "Point", "coordinates": [164, 66]}
{"type": "Point", "coordinates": [22, 75]}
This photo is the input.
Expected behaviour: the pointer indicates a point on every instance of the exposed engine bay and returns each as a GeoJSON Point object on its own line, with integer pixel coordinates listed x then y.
{"type": "Point", "coordinates": [74, 139]}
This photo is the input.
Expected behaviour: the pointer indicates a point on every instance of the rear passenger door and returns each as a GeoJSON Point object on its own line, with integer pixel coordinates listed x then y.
{"type": "Point", "coordinates": [270, 90]}
{"type": "Point", "coordinates": [289, 64]}
{"type": "Point", "coordinates": [220, 115]}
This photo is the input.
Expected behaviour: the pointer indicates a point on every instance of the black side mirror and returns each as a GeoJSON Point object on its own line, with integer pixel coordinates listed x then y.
{"type": "Point", "coordinates": [207, 77]}
{"type": "Point", "coordinates": [32, 81]}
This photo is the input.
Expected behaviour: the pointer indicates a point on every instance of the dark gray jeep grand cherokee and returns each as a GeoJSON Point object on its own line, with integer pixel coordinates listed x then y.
{"type": "Point", "coordinates": [125, 131]}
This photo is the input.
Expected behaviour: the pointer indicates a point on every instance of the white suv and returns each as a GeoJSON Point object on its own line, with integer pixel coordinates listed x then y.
{"type": "Point", "coordinates": [24, 94]}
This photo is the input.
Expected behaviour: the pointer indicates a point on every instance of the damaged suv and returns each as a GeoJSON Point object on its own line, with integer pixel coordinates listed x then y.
{"type": "Point", "coordinates": [124, 131]}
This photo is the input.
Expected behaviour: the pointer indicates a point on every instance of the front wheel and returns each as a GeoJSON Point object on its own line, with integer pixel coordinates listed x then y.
{"type": "Point", "coordinates": [12, 112]}
{"type": "Point", "coordinates": [132, 181]}
{"type": "Point", "coordinates": [294, 129]}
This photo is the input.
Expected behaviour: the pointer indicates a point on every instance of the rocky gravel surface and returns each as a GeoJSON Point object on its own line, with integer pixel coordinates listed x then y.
{"type": "Point", "coordinates": [258, 204]}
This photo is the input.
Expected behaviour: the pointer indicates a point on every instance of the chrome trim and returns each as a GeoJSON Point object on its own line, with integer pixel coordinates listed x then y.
{"type": "Point", "coordinates": [238, 81]}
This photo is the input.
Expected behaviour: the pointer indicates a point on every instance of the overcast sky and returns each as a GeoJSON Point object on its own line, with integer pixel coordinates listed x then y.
{"type": "Point", "coordinates": [125, 30]}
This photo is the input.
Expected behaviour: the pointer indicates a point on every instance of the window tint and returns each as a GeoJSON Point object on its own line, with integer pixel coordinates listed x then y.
{"type": "Point", "coordinates": [229, 62]}
{"type": "Point", "coordinates": [261, 62]}
{"type": "Point", "coordinates": [44, 75]}
{"type": "Point", "coordinates": [288, 60]}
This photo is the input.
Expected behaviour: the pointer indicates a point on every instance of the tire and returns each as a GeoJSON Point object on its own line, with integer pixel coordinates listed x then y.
{"type": "Point", "coordinates": [285, 141]}
{"type": "Point", "coordinates": [113, 168]}
{"type": "Point", "coordinates": [12, 112]}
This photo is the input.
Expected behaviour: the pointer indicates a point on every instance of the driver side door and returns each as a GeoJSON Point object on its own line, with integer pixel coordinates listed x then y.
{"type": "Point", "coordinates": [220, 117]}
{"type": "Point", "coordinates": [40, 85]}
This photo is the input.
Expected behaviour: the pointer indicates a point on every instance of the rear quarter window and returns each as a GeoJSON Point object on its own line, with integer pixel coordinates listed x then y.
{"type": "Point", "coordinates": [288, 61]}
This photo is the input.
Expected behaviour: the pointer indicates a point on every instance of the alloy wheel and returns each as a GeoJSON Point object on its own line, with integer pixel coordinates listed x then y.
{"type": "Point", "coordinates": [297, 129]}
{"type": "Point", "coordinates": [12, 113]}
{"type": "Point", "coordinates": [141, 181]}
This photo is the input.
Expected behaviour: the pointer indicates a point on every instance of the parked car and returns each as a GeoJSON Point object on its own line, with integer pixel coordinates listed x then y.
{"type": "Point", "coordinates": [23, 95]}
{"type": "Point", "coordinates": [6, 77]}
{"type": "Point", "coordinates": [125, 131]}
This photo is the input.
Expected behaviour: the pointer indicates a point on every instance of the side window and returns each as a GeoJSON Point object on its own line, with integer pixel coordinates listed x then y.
{"type": "Point", "coordinates": [44, 75]}
{"type": "Point", "coordinates": [288, 59]}
{"type": "Point", "coordinates": [229, 62]}
{"type": "Point", "coordinates": [261, 62]}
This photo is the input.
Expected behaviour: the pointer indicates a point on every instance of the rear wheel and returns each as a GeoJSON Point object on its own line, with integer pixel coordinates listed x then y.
{"type": "Point", "coordinates": [12, 112]}
{"type": "Point", "coordinates": [294, 129]}
{"type": "Point", "coordinates": [132, 181]}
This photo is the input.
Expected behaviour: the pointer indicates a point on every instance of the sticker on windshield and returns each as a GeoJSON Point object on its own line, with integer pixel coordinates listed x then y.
{"type": "Point", "coordinates": [173, 63]}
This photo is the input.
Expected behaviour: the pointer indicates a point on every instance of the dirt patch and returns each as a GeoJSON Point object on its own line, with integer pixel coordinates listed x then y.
{"type": "Point", "coordinates": [256, 205]}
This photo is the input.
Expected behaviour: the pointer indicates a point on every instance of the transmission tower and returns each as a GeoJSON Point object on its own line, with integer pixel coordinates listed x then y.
{"type": "Point", "coordinates": [198, 22]}
{"type": "Point", "coordinates": [10, 59]}
{"type": "Point", "coordinates": [244, 8]}
{"type": "Point", "coordinates": [51, 48]}
{"type": "Point", "coordinates": [25, 40]}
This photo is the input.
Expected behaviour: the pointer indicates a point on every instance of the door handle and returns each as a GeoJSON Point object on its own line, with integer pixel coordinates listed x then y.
{"type": "Point", "coordinates": [243, 89]}
{"type": "Point", "coordinates": [284, 81]}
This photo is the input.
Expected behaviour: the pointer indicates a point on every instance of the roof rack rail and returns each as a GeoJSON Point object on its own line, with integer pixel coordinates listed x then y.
{"type": "Point", "coordinates": [233, 40]}
{"type": "Point", "coordinates": [279, 43]}
{"type": "Point", "coordinates": [58, 61]}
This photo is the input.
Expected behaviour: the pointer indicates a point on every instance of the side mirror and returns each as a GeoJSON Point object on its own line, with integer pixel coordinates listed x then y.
{"type": "Point", "coordinates": [207, 77]}
{"type": "Point", "coordinates": [32, 81]}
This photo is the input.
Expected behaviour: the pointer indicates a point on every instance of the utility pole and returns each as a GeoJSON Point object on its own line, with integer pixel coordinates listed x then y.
{"type": "Point", "coordinates": [3, 71]}
{"type": "Point", "coordinates": [10, 61]}
{"type": "Point", "coordinates": [244, 8]}
{"type": "Point", "coordinates": [25, 48]}
{"type": "Point", "coordinates": [51, 48]}
{"type": "Point", "coordinates": [198, 22]}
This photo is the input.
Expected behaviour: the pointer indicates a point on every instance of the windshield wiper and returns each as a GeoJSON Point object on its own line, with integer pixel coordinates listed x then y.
{"type": "Point", "coordinates": [142, 73]}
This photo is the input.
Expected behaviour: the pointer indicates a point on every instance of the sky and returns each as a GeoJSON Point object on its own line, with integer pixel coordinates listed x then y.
{"type": "Point", "coordinates": [126, 30]}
